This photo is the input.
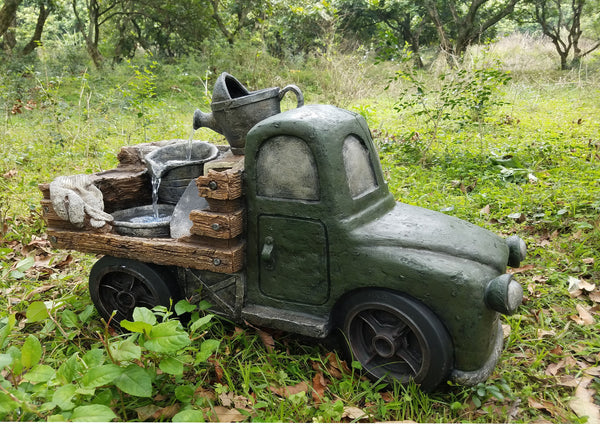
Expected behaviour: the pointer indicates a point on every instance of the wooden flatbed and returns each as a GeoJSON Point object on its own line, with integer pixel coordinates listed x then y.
{"type": "Point", "coordinates": [216, 242]}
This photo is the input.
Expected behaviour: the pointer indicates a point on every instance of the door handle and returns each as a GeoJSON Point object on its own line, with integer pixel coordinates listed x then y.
{"type": "Point", "coordinates": [267, 253]}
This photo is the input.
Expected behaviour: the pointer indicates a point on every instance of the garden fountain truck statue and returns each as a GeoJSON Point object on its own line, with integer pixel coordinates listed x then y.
{"type": "Point", "coordinates": [302, 234]}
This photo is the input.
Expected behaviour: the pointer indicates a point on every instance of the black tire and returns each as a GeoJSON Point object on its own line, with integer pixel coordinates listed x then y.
{"type": "Point", "coordinates": [397, 338]}
{"type": "Point", "coordinates": [121, 285]}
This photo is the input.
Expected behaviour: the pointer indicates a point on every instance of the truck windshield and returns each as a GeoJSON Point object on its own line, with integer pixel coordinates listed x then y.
{"type": "Point", "coordinates": [359, 170]}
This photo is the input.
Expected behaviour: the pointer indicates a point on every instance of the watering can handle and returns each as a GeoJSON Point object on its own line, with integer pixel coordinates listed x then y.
{"type": "Point", "coordinates": [296, 91]}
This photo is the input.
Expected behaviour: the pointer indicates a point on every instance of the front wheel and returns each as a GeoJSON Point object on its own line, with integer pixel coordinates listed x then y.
{"type": "Point", "coordinates": [121, 285]}
{"type": "Point", "coordinates": [397, 338]}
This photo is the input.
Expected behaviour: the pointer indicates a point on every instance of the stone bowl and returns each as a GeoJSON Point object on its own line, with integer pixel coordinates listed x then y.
{"type": "Point", "coordinates": [139, 222]}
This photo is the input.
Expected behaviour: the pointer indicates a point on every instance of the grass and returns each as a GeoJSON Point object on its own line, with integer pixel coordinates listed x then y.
{"type": "Point", "coordinates": [531, 167]}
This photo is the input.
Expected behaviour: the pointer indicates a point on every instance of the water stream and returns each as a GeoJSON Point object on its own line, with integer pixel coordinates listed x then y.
{"type": "Point", "coordinates": [189, 145]}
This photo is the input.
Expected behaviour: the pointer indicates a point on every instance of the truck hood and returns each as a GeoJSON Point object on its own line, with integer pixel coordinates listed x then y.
{"type": "Point", "coordinates": [412, 227]}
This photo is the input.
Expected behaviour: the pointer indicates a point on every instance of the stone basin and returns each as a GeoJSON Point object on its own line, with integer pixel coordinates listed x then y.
{"type": "Point", "coordinates": [139, 221]}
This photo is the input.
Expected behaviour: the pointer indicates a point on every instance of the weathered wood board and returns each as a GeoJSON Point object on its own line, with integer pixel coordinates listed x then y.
{"type": "Point", "coordinates": [154, 250]}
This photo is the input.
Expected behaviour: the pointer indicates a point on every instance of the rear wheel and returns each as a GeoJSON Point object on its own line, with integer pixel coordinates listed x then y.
{"type": "Point", "coordinates": [397, 338]}
{"type": "Point", "coordinates": [121, 285]}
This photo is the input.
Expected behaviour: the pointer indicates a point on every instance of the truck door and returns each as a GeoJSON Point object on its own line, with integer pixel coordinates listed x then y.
{"type": "Point", "coordinates": [292, 240]}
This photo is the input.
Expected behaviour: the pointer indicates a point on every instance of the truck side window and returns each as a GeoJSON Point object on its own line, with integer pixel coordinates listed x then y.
{"type": "Point", "coordinates": [359, 171]}
{"type": "Point", "coordinates": [286, 169]}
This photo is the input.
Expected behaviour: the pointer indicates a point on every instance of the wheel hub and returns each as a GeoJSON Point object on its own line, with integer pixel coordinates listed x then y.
{"type": "Point", "coordinates": [125, 300]}
{"type": "Point", "coordinates": [384, 346]}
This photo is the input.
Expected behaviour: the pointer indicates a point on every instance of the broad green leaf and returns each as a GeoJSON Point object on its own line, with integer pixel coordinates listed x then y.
{"type": "Point", "coordinates": [25, 264]}
{"type": "Point", "coordinates": [70, 319]}
{"type": "Point", "coordinates": [171, 365]}
{"type": "Point", "coordinates": [40, 374]}
{"type": "Point", "coordinates": [7, 404]}
{"type": "Point", "coordinates": [135, 381]}
{"type": "Point", "coordinates": [68, 369]}
{"type": "Point", "coordinates": [183, 306]}
{"type": "Point", "coordinates": [201, 322]}
{"type": "Point", "coordinates": [136, 327]}
{"type": "Point", "coordinates": [63, 397]}
{"type": "Point", "coordinates": [189, 416]}
{"type": "Point", "coordinates": [144, 315]}
{"type": "Point", "coordinates": [7, 328]}
{"type": "Point", "coordinates": [207, 348]}
{"type": "Point", "coordinates": [101, 375]}
{"type": "Point", "coordinates": [5, 360]}
{"type": "Point", "coordinates": [167, 337]}
{"type": "Point", "coordinates": [94, 357]}
{"type": "Point", "coordinates": [93, 413]}
{"type": "Point", "coordinates": [31, 352]}
{"type": "Point", "coordinates": [185, 393]}
{"type": "Point", "coordinates": [37, 312]}
{"type": "Point", "coordinates": [125, 351]}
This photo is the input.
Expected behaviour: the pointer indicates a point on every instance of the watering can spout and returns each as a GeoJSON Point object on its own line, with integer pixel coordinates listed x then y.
{"type": "Point", "coordinates": [208, 120]}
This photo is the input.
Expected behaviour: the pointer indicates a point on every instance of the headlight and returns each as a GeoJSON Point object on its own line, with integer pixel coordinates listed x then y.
{"type": "Point", "coordinates": [503, 294]}
{"type": "Point", "coordinates": [517, 250]}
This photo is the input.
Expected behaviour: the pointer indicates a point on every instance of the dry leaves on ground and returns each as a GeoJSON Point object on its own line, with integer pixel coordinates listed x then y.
{"type": "Point", "coordinates": [583, 404]}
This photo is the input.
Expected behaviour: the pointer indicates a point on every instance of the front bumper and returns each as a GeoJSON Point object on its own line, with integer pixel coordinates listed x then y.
{"type": "Point", "coordinates": [471, 378]}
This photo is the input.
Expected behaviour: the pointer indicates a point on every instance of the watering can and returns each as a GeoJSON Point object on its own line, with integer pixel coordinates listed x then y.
{"type": "Point", "coordinates": [235, 109]}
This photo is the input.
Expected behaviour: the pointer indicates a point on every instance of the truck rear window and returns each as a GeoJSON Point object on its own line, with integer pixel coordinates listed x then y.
{"type": "Point", "coordinates": [286, 169]}
{"type": "Point", "coordinates": [359, 170]}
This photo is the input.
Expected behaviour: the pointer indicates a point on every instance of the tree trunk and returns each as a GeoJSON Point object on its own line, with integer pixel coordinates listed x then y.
{"type": "Point", "coordinates": [7, 14]}
{"type": "Point", "coordinates": [10, 41]}
{"type": "Point", "coordinates": [92, 35]}
{"type": "Point", "coordinates": [36, 38]}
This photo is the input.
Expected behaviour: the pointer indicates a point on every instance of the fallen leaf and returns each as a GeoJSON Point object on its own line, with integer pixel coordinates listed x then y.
{"type": "Point", "coordinates": [595, 371]}
{"type": "Point", "coordinates": [583, 404]}
{"type": "Point", "coordinates": [225, 415]}
{"type": "Point", "coordinates": [319, 385]}
{"type": "Point", "coordinates": [166, 413]}
{"type": "Point", "coordinates": [543, 333]}
{"type": "Point", "coordinates": [146, 412]}
{"type": "Point", "coordinates": [241, 402]}
{"type": "Point", "coordinates": [595, 296]}
{"type": "Point", "coordinates": [226, 399]}
{"type": "Point", "coordinates": [588, 287]}
{"type": "Point", "coordinates": [485, 210]}
{"type": "Point", "coordinates": [517, 216]}
{"type": "Point", "coordinates": [287, 391]}
{"type": "Point", "coordinates": [573, 284]}
{"type": "Point", "coordinates": [568, 381]}
{"type": "Point", "coordinates": [522, 269]}
{"type": "Point", "coordinates": [353, 413]}
{"type": "Point", "coordinates": [506, 329]}
{"type": "Point", "coordinates": [584, 317]}
{"type": "Point", "coordinates": [555, 367]}
{"type": "Point", "coordinates": [336, 367]}
{"type": "Point", "coordinates": [10, 174]}
{"type": "Point", "coordinates": [588, 261]}
{"type": "Point", "coordinates": [205, 393]}
{"type": "Point", "coordinates": [543, 405]}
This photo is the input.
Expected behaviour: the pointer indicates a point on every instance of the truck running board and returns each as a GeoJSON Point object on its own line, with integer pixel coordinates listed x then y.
{"type": "Point", "coordinates": [291, 321]}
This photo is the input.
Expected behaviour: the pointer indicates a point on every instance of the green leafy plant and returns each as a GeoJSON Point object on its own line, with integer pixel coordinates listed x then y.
{"type": "Point", "coordinates": [458, 96]}
{"type": "Point", "coordinates": [132, 367]}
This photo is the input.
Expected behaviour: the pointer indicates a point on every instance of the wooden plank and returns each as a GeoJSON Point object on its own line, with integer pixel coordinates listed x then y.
{"type": "Point", "coordinates": [225, 206]}
{"type": "Point", "coordinates": [221, 185]}
{"type": "Point", "coordinates": [53, 220]}
{"type": "Point", "coordinates": [153, 250]}
{"type": "Point", "coordinates": [217, 225]}
{"type": "Point", "coordinates": [124, 188]}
